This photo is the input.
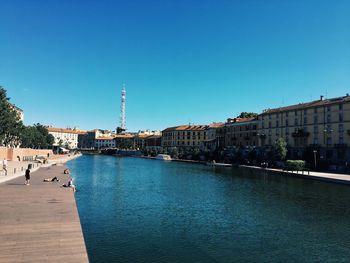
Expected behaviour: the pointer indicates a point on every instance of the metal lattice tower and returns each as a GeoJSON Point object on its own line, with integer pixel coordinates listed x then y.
{"type": "Point", "coordinates": [122, 109]}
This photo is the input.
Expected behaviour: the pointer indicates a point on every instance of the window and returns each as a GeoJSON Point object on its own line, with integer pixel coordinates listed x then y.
{"type": "Point", "coordinates": [329, 140]}
{"type": "Point", "coordinates": [287, 114]}
{"type": "Point", "coordinates": [296, 113]}
{"type": "Point", "coordinates": [296, 122]}
{"type": "Point", "coordinates": [340, 106]}
{"type": "Point", "coordinates": [287, 123]}
{"type": "Point", "coordinates": [341, 117]}
{"type": "Point", "coordinates": [328, 108]}
{"type": "Point", "coordinates": [315, 119]}
{"type": "Point", "coordinates": [270, 124]}
{"type": "Point", "coordinates": [341, 139]}
{"type": "Point", "coordinates": [328, 118]}
{"type": "Point", "coordinates": [315, 129]}
{"type": "Point", "coordinates": [277, 124]}
{"type": "Point", "coordinates": [315, 140]}
{"type": "Point", "coordinates": [305, 111]}
{"type": "Point", "coordinates": [341, 128]}
{"type": "Point", "coordinates": [315, 110]}
{"type": "Point", "coordinates": [305, 120]}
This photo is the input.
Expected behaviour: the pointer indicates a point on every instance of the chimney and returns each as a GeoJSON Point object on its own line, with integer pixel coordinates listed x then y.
{"type": "Point", "coordinates": [347, 94]}
{"type": "Point", "coordinates": [321, 97]}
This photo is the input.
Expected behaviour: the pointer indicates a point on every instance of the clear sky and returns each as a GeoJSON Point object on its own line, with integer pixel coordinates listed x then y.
{"type": "Point", "coordinates": [64, 61]}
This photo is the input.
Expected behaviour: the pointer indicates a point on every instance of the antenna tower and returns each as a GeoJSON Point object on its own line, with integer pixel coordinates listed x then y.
{"type": "Point", "coordinates": [122, 109]}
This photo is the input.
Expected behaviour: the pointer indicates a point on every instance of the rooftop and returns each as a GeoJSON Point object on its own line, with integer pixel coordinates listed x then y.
{"type": "Point", "coordinates": [315, 103]}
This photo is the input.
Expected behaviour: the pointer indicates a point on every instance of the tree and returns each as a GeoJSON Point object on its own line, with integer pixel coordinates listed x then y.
{"type": "Point", "coordinates": [280, 149]}
{"type": "Point", "coordinates": [11, 126]}
{"type": "Point", "coordinates": [36, 137]}
{"type": "Point", "coordinates": [247, 115]}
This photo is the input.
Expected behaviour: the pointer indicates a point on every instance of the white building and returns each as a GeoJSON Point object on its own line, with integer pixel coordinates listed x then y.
{"type": "Point", "coordinates": [65, 137]}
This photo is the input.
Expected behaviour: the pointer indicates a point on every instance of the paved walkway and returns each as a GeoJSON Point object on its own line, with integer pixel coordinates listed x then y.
{"type": "Point", "coordinates": [40, 222]}
{"type": "Point", "coordinates": [16, 169]}
{"type": "Point", "coordinates": [329, 177]}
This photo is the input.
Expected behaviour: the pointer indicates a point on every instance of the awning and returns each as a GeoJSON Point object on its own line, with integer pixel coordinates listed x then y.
{"type": "Point", "coordinates": [63, 149]}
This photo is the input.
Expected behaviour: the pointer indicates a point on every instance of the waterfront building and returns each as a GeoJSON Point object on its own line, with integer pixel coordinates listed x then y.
{"type": "Point", "coordinates": [67, 138]}
{"type": "Point", "coordinates": [124, 140]}
{"type": "Point", "coordinates": [185, 136]}
{"type": "Point", "coordinates": [215, 136]}
{"type": "Point", "coordinates": [241, 132]}
{"type": "Point", "coordinates": [105, 142]}
{"type": "Point", "coordinates": [87, 140]}
{"type": "Point", "coordinates": [317, 129]}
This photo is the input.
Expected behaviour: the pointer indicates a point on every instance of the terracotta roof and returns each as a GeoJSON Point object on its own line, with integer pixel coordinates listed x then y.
{"type": "Point", "coordinates": [316, 103]}
{"type": "Point", "coordinates": [124, 136]}
{"type": "Point", "coordinates": [153, 137]}
{"type": "Point", "coordinates": [187, 128]}
{"type": "Point", "coordinates": [239, 120]}
{"type": "Point", "coordinates": [52, 129]}
{"type": "Point", "coordinates": [216, 125]}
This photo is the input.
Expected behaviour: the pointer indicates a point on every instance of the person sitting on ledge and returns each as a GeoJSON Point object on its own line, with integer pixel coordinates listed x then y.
{"type": "Point", "coordinates": [66, 171]}
{"type": "Point", "coordinates": [55, 179]}
{"type": "Point", "coordinates": [70, 185]}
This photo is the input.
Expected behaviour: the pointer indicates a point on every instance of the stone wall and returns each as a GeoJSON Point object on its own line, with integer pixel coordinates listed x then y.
{"type": "Point", "coordinates": [12, 153]}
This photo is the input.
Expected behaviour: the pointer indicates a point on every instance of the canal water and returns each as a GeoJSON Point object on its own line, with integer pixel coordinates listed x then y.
{"type": "Point", "coordinates": [139, 210]}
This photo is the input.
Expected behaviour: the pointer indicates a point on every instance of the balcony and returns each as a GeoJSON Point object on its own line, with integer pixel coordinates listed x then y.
{"type": "Point", "coordinates": [300, 133]}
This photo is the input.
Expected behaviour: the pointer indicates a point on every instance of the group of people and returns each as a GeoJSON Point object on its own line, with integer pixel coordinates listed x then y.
{"type": "Point", "coordinates": [54, 179]}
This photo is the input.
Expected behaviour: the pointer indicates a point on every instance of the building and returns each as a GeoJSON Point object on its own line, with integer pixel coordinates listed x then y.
{"type": "Point", "coordinates": [321, 127]}
{"type": "Point", "coordinates": [241, 132]}
{"type": "Point", "coordinates": [67, 138]}
{"type": "Point", "coordinates": [185, 136]}
{"type": "Point", "coordinates": [20, 113]}
{"type": "Point", "coordinates": [87, 140]}
{"type": "Point", "coordinates": [215, 136]}
{"type": "Point", "coordinates": [105, 143]}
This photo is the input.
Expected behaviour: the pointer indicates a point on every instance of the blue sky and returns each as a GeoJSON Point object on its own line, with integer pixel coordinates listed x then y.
{"type": "Point", "coordinates": [63, 62]}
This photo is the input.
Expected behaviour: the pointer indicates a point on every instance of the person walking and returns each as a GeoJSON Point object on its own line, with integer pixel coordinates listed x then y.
{"type": "Point", "coordinates": [4, 165]}
{"type": "Point", "coordinates": [27, 175]}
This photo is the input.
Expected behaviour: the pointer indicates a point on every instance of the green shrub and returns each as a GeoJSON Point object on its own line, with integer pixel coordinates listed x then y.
{"type": "Point", "coordinates": [295, 165]}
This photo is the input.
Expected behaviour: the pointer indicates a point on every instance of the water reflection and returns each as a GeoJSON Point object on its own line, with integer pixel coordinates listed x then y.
{"type": "Point", "coordinates": [136, 210]}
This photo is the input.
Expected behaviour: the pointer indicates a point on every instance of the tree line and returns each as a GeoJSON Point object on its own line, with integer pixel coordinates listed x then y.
{"type": "Point", "coordinates": [14, 133]}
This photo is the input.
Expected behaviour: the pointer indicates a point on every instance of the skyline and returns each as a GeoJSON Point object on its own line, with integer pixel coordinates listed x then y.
{"type": "Point", "coordinates": [64, 63]}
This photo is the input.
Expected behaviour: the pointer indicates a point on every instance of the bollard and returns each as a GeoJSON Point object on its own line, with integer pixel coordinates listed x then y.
{"type": "Point", "coordinates": [14, 170]}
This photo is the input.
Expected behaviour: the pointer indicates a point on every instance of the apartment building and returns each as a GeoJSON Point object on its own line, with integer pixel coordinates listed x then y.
{"type": "Point", "coordinates": [87, 140]}
{"type": "Point", "coordinates": [65, 137]}
{"type": "Point", "coordinates": [241, 132]}
{"type": "Point", "coordinates": [105, 142]}
{"type": "Point", "coordinates": [215, 136]}
{"type": "Point", "coordinates": [322, 125]}
{"type": "Point", "coordinates": [185, 136]}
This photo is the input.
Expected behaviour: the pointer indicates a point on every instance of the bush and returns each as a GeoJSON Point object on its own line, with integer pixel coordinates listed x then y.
{"type": "Point", "coordinates": [295, 165]}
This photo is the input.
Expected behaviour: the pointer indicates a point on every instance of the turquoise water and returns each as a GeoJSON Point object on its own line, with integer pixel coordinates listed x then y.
{"type": "Point", "coordinates": [138, 210]}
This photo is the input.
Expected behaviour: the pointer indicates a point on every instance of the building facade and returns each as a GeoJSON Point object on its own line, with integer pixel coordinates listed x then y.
{"type": "Point", "coordinates": [185, 136]}
{"type": "Point", "coordinates": [65, 137]}
{"type": "Point", "coordinates": [321, 126]}
{"type": "Point", "coordinates": [241, 132]}
{"type": "Point", "coordinates": [105, 143]}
